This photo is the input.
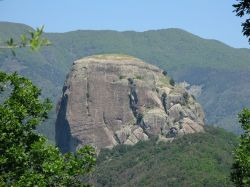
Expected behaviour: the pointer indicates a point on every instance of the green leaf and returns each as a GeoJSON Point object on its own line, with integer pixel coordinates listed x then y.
{"type": "Point", "coordinates": [27, 159]}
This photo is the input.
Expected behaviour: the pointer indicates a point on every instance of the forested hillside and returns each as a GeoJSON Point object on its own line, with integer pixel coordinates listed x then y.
{"type": "Point", "coordinates": [202, 159]}
{"type": "Point", "coordinates": [222, 72]}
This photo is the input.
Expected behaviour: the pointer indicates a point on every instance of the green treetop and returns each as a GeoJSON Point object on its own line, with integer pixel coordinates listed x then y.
{"type": "Point", "coordinates": [26, 159]}
{"type": "Point", "coordinates": [241, 168]}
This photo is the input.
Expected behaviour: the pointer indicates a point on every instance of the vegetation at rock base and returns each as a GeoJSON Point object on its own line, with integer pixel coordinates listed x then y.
{"type": "Point", "coordinates": [202, 159]}
{"type": "Point", "coordinates": [26, 158]}
{"type": "Point", "coordinates": [241, 167]}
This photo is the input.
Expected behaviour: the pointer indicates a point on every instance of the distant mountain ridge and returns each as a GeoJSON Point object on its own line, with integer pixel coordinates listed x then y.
{"type": "Point", "coordinates": [220, 70]}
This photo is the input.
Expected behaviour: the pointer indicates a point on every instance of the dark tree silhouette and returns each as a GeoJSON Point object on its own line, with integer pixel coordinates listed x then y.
{"type": "Point", "coordinates": [242, 8]}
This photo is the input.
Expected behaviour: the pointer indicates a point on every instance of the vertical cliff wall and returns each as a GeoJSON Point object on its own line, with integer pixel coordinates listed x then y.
{"type": "Point", "coordinates": [118, 99]}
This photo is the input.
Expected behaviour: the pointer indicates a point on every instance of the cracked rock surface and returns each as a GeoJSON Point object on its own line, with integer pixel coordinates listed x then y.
{"type": "Point", "coordinates": [118, 99]}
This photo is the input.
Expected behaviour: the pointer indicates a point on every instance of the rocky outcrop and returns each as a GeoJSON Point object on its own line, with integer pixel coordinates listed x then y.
{"type": "Point", "coordinates": [118, 99]}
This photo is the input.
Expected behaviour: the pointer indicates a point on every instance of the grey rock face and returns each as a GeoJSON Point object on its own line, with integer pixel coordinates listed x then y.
{"type": "Point", "coordinates": [118, 99]}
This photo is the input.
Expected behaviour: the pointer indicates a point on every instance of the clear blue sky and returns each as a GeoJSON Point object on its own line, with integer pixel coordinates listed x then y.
{"type": "Point", "coordinates": [211, 19]}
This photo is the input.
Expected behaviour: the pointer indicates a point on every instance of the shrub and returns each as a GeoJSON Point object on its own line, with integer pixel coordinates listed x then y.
{"type": "Point", "coordinates": [165, 73]}
{"type": "Point", "coordinates": [172, 82]}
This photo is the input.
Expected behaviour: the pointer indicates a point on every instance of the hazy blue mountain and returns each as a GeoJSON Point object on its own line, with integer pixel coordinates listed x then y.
{"type": "Point", "coordinates": [222, 71]}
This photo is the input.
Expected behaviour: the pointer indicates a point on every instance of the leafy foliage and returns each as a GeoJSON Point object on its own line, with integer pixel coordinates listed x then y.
{"type": "Point", "coordinates": [241, 166]}
{"type": "Point", "coordinates": [202, 159]}
{"type": "Point", "coordinates": [26, 158]}
{"type": "Point", "coordinates": [241, 9]}
{"type": "Point", "coordinates": [34, 41]}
